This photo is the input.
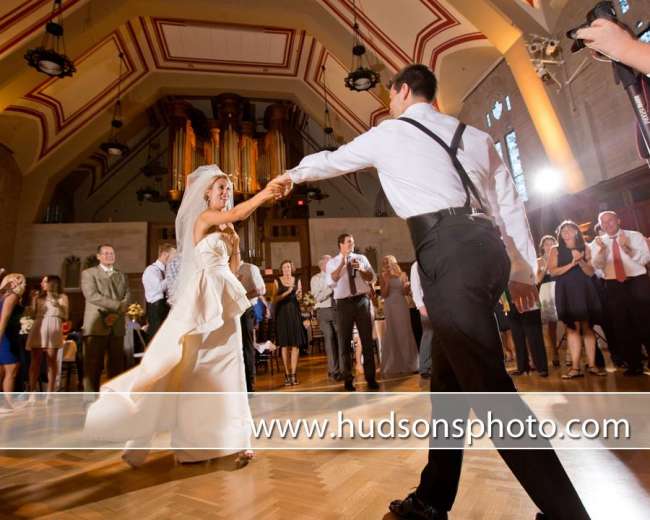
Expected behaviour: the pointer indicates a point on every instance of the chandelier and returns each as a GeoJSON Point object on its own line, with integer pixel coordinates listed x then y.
{"type": "Point", "coordinates": [114, 146]}
{"type": "Point", "coordinates": [328, 143]}
{"type": "Point", "coordinates": [50, 57]}
{"type": "Point", "coordinates": [362, 77]}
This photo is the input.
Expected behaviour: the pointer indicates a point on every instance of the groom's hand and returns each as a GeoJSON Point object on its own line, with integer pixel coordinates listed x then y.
{"type": "Point", "coordinates": [285, 181]}
{"type": "Point", "coordinates": [523, 295]}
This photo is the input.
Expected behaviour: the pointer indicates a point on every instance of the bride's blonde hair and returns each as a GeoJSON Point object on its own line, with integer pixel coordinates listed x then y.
{"type": "Point", "coordinates": [221, 175]}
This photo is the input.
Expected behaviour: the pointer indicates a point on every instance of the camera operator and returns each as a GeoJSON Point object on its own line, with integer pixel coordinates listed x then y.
{"type": "Point", "coordinates": [615, 42]}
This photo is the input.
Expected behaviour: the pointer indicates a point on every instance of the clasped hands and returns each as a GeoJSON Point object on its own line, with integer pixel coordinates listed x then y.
{"type": "Point", "coordinates": [281, 186]}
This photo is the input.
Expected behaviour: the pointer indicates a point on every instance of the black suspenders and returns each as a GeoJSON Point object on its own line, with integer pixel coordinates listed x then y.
{"type": "Point", "coordinates": [452, 151]}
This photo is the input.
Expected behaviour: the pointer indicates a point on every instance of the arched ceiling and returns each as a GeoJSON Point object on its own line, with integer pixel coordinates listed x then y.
{"type": "Point", "coordinates": [272, 48]}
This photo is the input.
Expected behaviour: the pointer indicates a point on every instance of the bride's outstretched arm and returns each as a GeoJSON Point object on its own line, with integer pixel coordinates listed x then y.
{"type": "Point", "coordinates": [243, 210]}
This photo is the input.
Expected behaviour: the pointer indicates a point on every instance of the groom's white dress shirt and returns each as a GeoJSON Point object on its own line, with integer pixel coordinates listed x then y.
{"type": "Point", "coordinates": [418, 177]}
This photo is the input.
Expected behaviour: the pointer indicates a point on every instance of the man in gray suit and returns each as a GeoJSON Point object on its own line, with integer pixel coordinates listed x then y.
{"type": "Point", "coordinates": [106, 291]}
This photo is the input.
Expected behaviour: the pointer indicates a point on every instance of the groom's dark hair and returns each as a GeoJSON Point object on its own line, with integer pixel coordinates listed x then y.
{"type": "Point", "coordinates": [419, 78]}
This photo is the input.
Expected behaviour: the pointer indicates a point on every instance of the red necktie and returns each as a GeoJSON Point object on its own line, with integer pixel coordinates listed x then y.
{"type": "Point", "coordinates": [619, 270]}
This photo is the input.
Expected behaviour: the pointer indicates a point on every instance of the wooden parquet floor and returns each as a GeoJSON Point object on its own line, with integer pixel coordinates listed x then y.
{"type": "Point", "coordinates": [318, 485]}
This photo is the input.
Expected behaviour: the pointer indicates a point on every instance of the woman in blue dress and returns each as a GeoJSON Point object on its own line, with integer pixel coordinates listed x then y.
{"type": "Point", "coordinates": [11, 291]}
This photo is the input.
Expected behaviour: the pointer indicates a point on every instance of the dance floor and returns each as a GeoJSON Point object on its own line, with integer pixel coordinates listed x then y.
{"type": "Point", "coordinates": [313, 484]}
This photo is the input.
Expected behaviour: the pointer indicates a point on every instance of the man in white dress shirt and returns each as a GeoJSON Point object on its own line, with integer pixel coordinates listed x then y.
{"type": "Point", "coordinates": [326, 315]}
{"type": "Point", "coordinates": [426, 343]}
{"type": "Point", "coordinates": [352, 276]}
{"type": "Point", "coordinates": [155, 289]}
{"type": "Point", "coordinates": [622, 255]}
{"type": "Point", "coordinates": [251, 278]}
{"type": "Point", "coordinates": [450, 184]}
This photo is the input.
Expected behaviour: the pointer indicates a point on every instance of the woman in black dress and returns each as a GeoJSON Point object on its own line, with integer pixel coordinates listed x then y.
{"type": "Point", "coordinates": [290, 333]}
{"type": "Point", "coordinates": [576, 298]}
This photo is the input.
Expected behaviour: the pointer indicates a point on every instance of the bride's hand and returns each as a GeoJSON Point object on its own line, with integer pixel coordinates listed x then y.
{"type": "Point", "coordinates": [231, 236]}
{"type": "Point", "coordinates": [277, 188]}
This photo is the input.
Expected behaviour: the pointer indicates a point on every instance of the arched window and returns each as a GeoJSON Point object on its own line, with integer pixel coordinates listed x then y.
{"type": "Point", "coordinates": [516, 167]}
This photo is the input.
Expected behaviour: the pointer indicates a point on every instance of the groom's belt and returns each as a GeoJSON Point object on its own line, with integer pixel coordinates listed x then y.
{"type": "Point", "coordinates": [421, 225]}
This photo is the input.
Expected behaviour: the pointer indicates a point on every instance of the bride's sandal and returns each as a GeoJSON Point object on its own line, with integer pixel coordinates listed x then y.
{"type": "Point", "coordinates": [243, 458]}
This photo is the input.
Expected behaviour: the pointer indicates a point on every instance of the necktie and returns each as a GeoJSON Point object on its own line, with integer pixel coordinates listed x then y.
{"type": "Point", "coordinates": [353, 285]}
{"type": "Point", "coordinates": [619, 270]}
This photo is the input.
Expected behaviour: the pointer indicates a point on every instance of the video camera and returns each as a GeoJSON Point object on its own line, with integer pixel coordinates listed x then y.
{"type": "Point", "coordinates": [635, 84]}
{"type": "Point", "coordinates": [602, 10]}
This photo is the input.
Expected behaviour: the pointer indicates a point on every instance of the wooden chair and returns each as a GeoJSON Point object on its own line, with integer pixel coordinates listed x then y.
{"type": "Point", "coordinates": [317, 342]}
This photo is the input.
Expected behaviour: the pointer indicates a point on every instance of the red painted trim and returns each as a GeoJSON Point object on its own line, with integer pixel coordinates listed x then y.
{"type": "Point", "coordinates": [34, 27]}
{"type": "Point", "coordinates": [387, 41]}
{"type": "Point", "coordinates": [377, 114]}
{"type": "Point", "coordinates": [20, 11]}
{"type": "Point", "coordinates": [93, 107]}
{"type": "Point", "coordinates": [434, 29]}
{"type": "Point", "coordinates": [158, 24]}
{"type": "Point", "coordinates": [38, 94]}
{"type": "Point", "coordinates": [235, 67]}
{"type": "Point", "coordinates": [318, 70]}
{"type": "Point", "coordinates": [136, 44]}
{"type": "Point", "coordinates": [437, 52]}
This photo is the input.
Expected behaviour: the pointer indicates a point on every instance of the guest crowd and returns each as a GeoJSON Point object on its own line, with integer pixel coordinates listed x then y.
{"type": "Point", "coordinates": [593, 295]}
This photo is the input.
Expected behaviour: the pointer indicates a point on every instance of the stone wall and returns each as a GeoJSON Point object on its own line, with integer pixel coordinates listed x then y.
{"type": "Point", "coordinates": [386, 236]}
{"type": "Point", "coordinates": [43, 248]}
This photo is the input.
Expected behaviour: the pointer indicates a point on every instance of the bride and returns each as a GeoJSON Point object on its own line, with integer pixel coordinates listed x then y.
{"type": "Point", "coordinates": [199, 346]}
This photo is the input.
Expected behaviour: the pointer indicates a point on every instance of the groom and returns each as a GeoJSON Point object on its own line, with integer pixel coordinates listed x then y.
{"type": "Point", "coordinates": [448, 181]}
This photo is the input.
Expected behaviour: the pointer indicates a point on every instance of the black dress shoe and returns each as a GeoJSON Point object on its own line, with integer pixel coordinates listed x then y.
{"type": "Point", "coordinates": [543, 373]}
{"type": "Point", "coordinates": [373, 385]}
{"type": "Point", "coordinates": [541, 516]}
{"type": "Point", "coordinates": [630, 372]}
{"type": "Point", "coordinates": [349, 386]}
{"type": "Point", "coordinates": [412, 508]}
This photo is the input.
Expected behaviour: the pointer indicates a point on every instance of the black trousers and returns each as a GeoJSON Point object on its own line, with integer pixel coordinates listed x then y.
{"type": "Point", "coordinates": [615, 350]}
{"type": "Point", "coordinates": [156, 314]}
{"type": "Point", "coordinates": [416, 325]}
{"type": "Point", "coordinates": [528, 326]}
{"type": "Point", "coordinates": [248, 346]}
{"type": "Point", "coordinates": [348, 312]}
{"type": "Point", "coordinates": [628, 307]}
{"type": "Point", "coordinates": [464, 269]}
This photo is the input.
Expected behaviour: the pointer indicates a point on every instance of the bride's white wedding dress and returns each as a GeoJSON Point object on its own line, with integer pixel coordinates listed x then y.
{"type": "Point", "coordinates": [197, 349]}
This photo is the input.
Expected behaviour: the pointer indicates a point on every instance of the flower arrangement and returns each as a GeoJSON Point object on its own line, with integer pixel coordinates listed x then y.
{"type": "Point", "coordinates": [307, 302]}
{"type": "Point", "coordinates": [135, 311]}
{"type": "Point", "coordinates": [26, 324]}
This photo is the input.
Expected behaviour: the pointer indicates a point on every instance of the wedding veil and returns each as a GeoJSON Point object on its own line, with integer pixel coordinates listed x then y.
{"type": "Point", "coordinates": [192, 205]}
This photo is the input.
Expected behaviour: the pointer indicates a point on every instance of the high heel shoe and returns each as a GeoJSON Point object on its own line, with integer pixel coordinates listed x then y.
{"type": "Point", "coordinates": [287, 380]}
{"type": "Point", "coordinates": [294, 379]}
{"type": "Point", "coordinates": [573, 374]}
{"type": "Point", "coordinates": [596, 371]}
